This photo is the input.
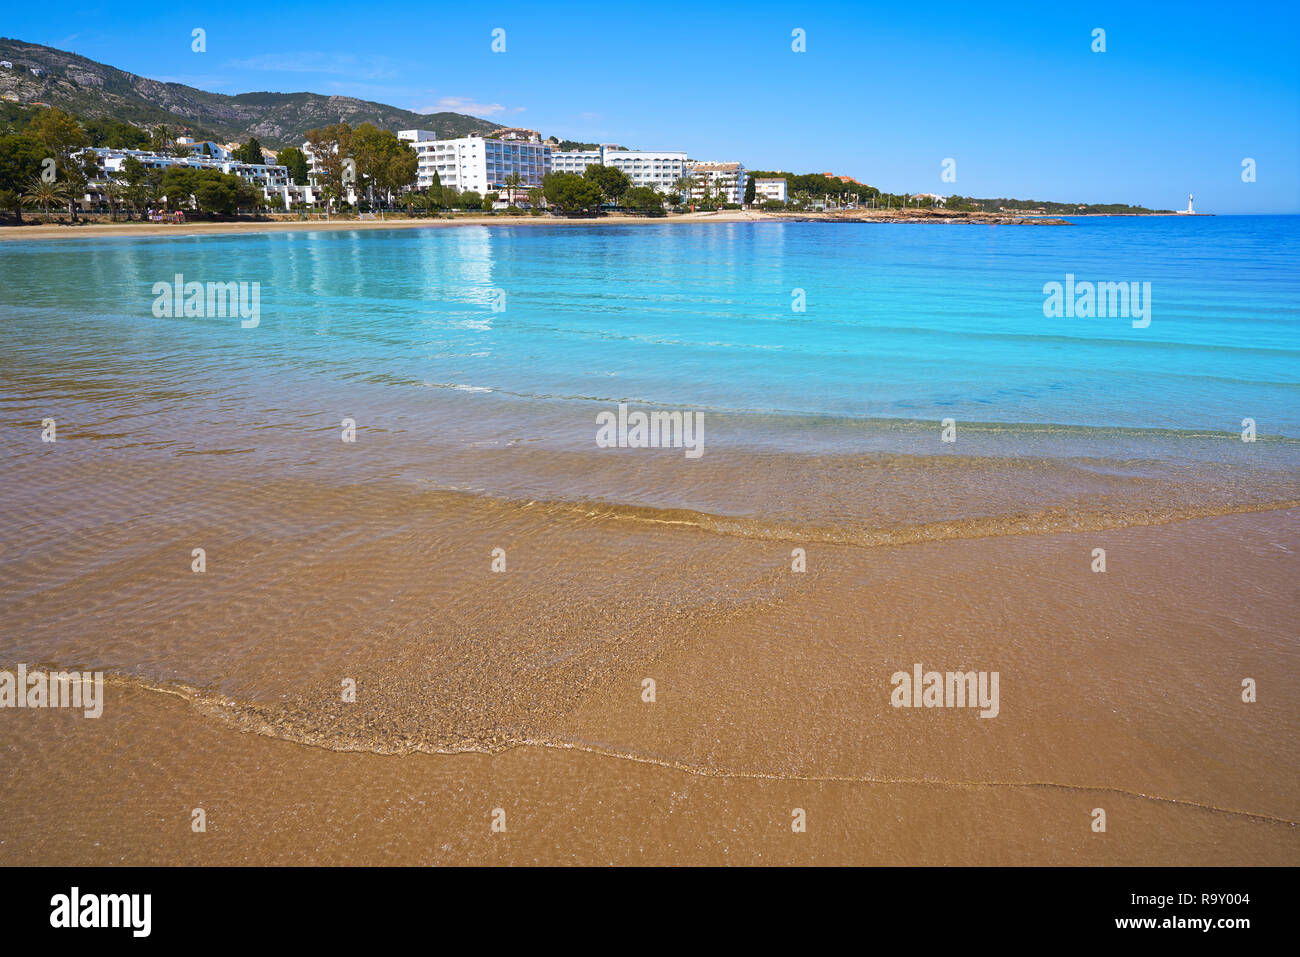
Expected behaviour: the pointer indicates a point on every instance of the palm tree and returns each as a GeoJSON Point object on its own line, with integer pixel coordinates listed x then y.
{"type": "Point", "coordinates": [115, 193]}
{"type": "Point", "coordinates": [684, 186]}
{"type": "Point", "coordinates": [45, 194]}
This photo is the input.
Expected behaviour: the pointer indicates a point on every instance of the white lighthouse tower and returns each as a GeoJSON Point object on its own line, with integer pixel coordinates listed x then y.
{"type": "Point", "coordinates": [1188, 211]}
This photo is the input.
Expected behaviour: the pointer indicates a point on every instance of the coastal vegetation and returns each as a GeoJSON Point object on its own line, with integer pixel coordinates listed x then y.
{"type": "Point", "coordinates": [971, 204]}
{"type": "Point", "coordinates": [296, 161]}
{"type": "Point", "coordinates": [42, 168]}
{"type": "Point", "coordinates": [599, 188]}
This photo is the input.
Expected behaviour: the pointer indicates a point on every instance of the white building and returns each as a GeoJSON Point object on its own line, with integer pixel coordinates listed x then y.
{"type": "Point", "coordinates": [275, 182]}
{"type": "Point", "coordinates": [204, 148]}
{"type": "Point", "coordinates": [771, 188]}
{"type": "Point", "coordinates": [477, 163]}
{"type": "Point", "coordinates": [727, 179]}
{"type": "Point", "coordinates": [658, 169]}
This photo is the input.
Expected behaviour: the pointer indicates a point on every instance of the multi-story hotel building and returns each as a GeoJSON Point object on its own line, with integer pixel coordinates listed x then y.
{"type": "Point", "coordinates": [771, 188]}
{"type": "Point", "coordinates": [726, 179]}
{"type": "Point", "coordinates": [658, 169]}
{"type": "Point", "coordinates": [478, 163]}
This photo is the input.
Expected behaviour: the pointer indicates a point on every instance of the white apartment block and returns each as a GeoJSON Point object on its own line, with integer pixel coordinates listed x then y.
{"type": "Point", "coordinates": [770, 188]}
{"type": "Point", "coordinates": [477, 163]}
{"type": "Point", "coordinates": [274, 181]}
{"type": "Point", "coordinates": [728, 179]}
{"type": "Point", "coordinates": [658, 169]}
{"type": "Point", "coordinates": [112, 162]}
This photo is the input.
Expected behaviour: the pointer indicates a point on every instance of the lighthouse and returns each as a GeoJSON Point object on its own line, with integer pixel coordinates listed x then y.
{"type": "Point", "coordinates": [1188, 211]}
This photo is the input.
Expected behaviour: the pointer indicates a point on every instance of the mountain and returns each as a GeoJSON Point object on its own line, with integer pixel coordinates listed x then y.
{"type": "Point", "coordinates": [87, 88]}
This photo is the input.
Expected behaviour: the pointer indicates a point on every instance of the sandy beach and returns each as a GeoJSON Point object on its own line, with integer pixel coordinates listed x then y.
{"type": "Point", "coordinates": [474, 609]}
{"type": "Point", "coordinates": [104, 229]}
{"type": "Point", "coordinates": [87, 230]}
{"type": "Point", "coordinates": [774, 702]}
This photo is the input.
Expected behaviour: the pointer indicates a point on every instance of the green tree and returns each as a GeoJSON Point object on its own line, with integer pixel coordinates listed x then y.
{"type": "Point", "coordinates": [296, 161]}
{"type": "Point", "coordinates": [571, 193]}
{"type": "Point", "coordinates": [644, 199]}
{"type": "Point", "coordinates": [64, 137]}
{"type": "Point", "coordinates": [45, 194]}
{"type": "Point", "coordinates": [751, 188]}
{"type": "Point", "coordinates": [115, 134]}
{"type": "Point", "coordinates": [250, 152]}
{"type": "Point", "coordinates": [115, 195]}
{"type": "Point", "coordinates": [331, 146]}
{"type": "Point", "coordinates": [684, 187]}
{"type": "Point", "coordinates": [208, 190]}
{"type": "Point", "coordinates": [20, 160]}
{"type": "Point", "coordinates": [610, 180]}
{"type": "Point", "coordinates": [138, 187]}
{"type": "Point", "coordinates": [161, 140]}
{"type": "Point", "coordinates": [177, 187]}
{"type": "Point", "coordinates": [385, 165]}
{"type": "Point", "coordinates": [11, 201]}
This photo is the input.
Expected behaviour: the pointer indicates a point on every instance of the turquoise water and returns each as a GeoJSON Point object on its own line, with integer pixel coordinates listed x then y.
{"type": "Point", "coordinates": [912, 322]}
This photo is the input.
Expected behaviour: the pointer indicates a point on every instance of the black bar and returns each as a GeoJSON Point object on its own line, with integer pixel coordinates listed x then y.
{"type": "Point", "coordinates": [941, 906]}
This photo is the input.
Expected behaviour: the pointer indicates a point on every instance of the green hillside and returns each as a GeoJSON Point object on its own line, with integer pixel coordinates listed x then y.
{"type": "Point", "coordinates": [90, 89]}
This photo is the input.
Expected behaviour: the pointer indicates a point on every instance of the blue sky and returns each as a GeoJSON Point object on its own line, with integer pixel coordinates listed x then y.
{"type": "Point", "coordinates": [885, 93]}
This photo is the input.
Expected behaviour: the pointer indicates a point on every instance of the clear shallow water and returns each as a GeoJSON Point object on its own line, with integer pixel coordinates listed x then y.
{"type": "Point", "coordinates": [901, 322]}
{"type": "Point", "coordinates": [476, 431]}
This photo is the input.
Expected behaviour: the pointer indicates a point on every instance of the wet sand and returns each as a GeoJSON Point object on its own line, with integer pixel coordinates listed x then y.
{"type": "Point", "coordinates": [522, 690]}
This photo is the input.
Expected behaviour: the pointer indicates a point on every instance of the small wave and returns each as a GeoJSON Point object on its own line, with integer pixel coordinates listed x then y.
{"type": "Point", "coordinates": [264, 721]}
{"type": "Point", "coordinates": [457, 386]}
{"type": "Point", "coordinates": [1041, 522]}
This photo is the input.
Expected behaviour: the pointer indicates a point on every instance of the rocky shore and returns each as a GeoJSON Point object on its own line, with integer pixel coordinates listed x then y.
{"type": "Point", "coordinates": [922, 216]}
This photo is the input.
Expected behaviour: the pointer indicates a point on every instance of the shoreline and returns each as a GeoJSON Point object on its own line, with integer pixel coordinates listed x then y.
{"type": "Point", "coordinates": [93, 230]}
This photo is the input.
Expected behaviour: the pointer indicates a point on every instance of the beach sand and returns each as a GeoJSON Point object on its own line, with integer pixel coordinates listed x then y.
{"type": "Point", "coordinates": [88, 230]}
{"type": "Point", "coordinates": [1119, 691]}
{"type": "Point", "coordinates": [100, 229]}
